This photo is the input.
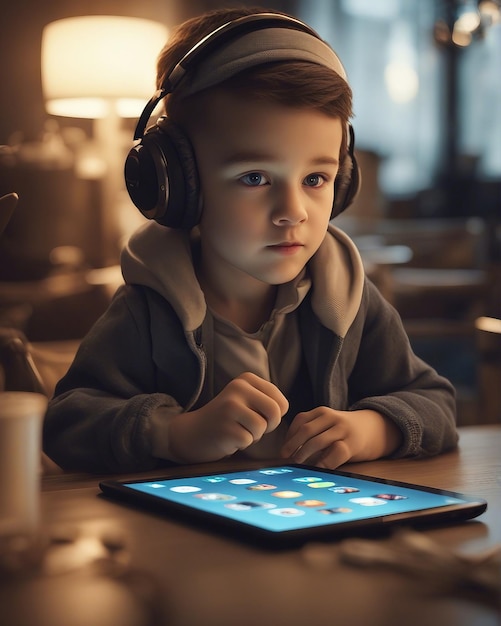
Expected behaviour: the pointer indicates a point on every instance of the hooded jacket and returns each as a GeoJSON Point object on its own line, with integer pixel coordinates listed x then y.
{"type": "Point", "coordinates": [147, 350]}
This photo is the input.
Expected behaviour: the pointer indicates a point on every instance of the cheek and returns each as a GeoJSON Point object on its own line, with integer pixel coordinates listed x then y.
{"type": "Point", "coordinates": [325, 218]}
{"type": "Point", "coordinates": [225, 225]}
{"type": "Point", "coordinates": [227, 211]}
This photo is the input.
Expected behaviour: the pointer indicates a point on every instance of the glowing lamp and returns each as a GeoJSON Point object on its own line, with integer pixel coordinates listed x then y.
{"type": "Point", "coordinates": [93, 64]}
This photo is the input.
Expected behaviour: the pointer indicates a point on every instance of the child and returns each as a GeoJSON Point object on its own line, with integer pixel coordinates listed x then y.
{"type": "Point", "coordinates": [246, 323]}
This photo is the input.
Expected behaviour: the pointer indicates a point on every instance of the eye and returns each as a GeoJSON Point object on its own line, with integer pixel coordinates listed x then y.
{"type": "Point", "coordinates": [314, 180]}
{"type": "Point", "coordinates": [253, 179]}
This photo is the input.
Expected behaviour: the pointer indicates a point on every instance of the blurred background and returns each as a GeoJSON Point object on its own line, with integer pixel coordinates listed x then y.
{"type": "Point", "coordinates": [427, 97]}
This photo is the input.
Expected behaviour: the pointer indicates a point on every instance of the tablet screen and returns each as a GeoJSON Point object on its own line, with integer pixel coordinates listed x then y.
{"type": "Point", "coordinates": [294, 499]}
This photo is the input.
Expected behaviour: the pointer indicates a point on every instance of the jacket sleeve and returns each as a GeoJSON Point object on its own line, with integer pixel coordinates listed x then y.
{"type": "Point", "coordinates": [388, 377]}
{"type": "Point", "coordinates": [99, 418]}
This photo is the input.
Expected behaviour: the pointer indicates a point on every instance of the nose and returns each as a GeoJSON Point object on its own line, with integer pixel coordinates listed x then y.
{"type": "Point", "coordinates": [289, 206]}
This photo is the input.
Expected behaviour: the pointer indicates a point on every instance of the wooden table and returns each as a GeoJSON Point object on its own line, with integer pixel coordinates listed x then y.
{"type": "Point", "coordinates": [192, 577]}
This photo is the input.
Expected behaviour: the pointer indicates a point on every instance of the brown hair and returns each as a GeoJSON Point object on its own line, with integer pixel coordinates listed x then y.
{"type": "Point", "coordinates": [291, 83]}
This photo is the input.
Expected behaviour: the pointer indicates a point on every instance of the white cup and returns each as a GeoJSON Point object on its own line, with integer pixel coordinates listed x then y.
{"type": "Point", "coordinates": [21, 418]}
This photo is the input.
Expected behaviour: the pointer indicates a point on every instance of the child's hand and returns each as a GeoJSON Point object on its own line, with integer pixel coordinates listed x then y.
{"type": "Point", "coordinates": [328, 438]}
{"type": "Point", "coordinates": [246, 409]}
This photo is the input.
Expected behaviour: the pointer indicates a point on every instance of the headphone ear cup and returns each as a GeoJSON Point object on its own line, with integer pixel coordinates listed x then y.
{"type": "Point", "coordinates": [347, 185]}
{"type": "Point", "coordinates": [161, 176]}
{"type": "Point", "coordinates": [349, 178]}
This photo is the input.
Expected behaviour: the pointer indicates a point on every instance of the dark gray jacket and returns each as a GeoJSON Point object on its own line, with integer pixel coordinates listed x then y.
{"type": "Point", "coordinates": [147, 351]}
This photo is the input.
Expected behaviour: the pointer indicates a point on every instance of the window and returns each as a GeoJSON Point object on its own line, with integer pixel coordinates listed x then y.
{"type": "Point", "coordinates": [397, 73]}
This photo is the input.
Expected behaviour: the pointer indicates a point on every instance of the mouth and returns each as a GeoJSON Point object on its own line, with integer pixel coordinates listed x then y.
{"type": "Point", "coordinates": [286, 247]}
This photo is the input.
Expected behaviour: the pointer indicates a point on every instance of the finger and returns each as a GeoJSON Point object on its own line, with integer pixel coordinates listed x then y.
{"type": "Point", "coordinates": [301, 419]}
{"type": "Point", "coordinates": [301, 452]}
{"type": "Point", "coordinates": [263, 398]}
{"type": "Point", "coordinates": [304, 428]}
{"type": "Point", "coordinates": [253, 423]}
{"type": "Point", "coordinates": [268, 389]}
{"type": "Point", "coordinates": [316, 437]}
{"type": "Point", "coordinates": [334, 455]}
{"type": "Point", "coordinates": [322, 449]}
{"type": "Point", "coordinates": [239, 435]}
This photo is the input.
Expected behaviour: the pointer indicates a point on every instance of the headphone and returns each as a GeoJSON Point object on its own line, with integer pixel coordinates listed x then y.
{"type": "Point", "coordinates": [161, 172]}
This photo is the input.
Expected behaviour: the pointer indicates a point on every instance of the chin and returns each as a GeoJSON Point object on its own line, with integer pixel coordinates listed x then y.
{"type": "Point", "coordinates": [279, 275]}
{"type": "Point", "coordinates": [282, 278]}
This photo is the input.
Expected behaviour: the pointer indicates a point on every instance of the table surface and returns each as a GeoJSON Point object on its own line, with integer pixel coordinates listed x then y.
{"type": "Point", "coordinates": [176, 574]}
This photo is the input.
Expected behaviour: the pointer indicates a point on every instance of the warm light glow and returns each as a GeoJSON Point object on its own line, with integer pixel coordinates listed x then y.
{"type": "Point", "coordinates": [400, 74]}
{"type": "Point", "coordinates": [489, 324]}
{"type": "Point", "coordinates": [491, 10]}
{"type": "Point", "coordinates": [467, 22]}
{"type": "Point", "coordinates": [461, 38]}
{"type": "Point", "coordinates": [93, 63]}
{"type": "Point", "coordinates": [401, 81]}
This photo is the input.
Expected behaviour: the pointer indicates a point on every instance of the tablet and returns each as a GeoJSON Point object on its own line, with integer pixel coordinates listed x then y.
{"type": "Point", "coordinates": [293, 503]}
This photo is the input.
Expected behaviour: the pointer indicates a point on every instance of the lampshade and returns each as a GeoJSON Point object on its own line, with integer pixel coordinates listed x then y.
{"type": "Point", "coordinates": [93, 63]}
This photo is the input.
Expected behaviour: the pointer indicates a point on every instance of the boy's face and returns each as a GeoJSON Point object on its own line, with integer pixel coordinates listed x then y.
{"type": "Point", "coordinates": [267, 174]}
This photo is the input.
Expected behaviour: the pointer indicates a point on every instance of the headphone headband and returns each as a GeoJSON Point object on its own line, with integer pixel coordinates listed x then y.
{"type": "Point", "coordinates": [229, 32]}
{"type": "Point", "coordinates": [269, 37]}
{"type": "Point", "coordinates": [257, 48]}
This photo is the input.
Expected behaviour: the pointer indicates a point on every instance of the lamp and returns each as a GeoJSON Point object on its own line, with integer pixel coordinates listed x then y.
{"type": "Point", "coordinates": [101, 67]}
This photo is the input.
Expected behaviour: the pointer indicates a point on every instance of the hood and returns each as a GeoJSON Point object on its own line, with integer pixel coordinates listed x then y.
{"type": "Point", "coordinates": [161, 258]}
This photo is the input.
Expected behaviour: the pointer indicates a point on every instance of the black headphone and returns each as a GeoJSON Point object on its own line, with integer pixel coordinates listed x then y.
{"type": "Point", "coordinates": [161, 172]}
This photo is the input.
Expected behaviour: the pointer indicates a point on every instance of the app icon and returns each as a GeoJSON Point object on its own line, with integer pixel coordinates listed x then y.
{"type": "Point", "coordinates": [390, 496]}
{"type": "Point", "coordinates": [247, 506]}
{"type": "Point", "coordinates": [344, 489]}
{"type": "Point", "coordinates": [322, 485]}
{"type": "Point", "coordinates": [310, 503]}
{"type": "Point", "coordinates": [287, 494]}
{"type": "Point", "coordinates": [339, 509]}
{"type": "Point", "coordinates": [215, 497]}
{"type": "Point", "coordinates": [286, 512]}
{"type": "Point", "coordinates": [261, 487]}
{"type": "Point", "coordinates": [185, 489]}
{"type": "Point", "coordinates": [273, 472]}
{"type": "Point", "coordinates": [307, 479]}
{"type": "Point", "coordinates": [368, 501]}
{"type": "Point", "coordinates": [214, 479]}
{"type": "Point", "coordinates": [242, 481]}
{"type": "Point", "coordinates": [157, 485]}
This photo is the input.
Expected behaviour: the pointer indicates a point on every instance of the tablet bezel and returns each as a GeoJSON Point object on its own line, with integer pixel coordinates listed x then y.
{"type": "Point", "coordinates": [118, 489]}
